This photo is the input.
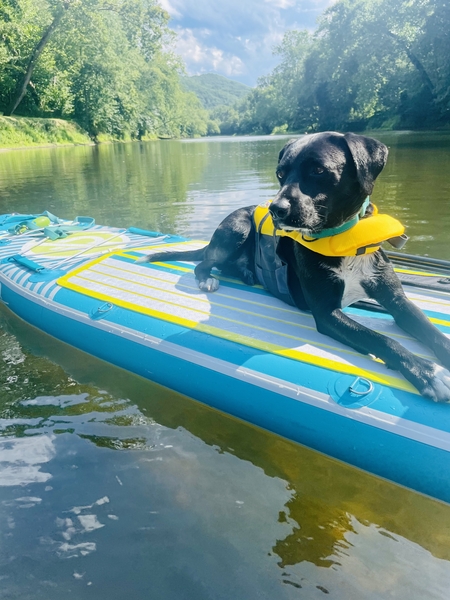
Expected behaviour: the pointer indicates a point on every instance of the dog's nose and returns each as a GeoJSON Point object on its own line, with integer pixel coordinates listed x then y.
{"type": "Point", "coordinates": [280, 209]}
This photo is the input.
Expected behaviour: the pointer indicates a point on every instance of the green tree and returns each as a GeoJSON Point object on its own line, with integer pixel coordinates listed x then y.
{"type": "Point", "coordinates": [370, 63]}
{"type": "Point", "coordinates": [102, 62]}
{"type": "Point", "coordinates": [24, 80]}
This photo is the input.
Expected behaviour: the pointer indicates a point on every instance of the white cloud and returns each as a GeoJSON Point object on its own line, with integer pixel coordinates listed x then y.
{"type": "Point", "coordinates": [201, 58]}
{"type": "Point", "coordinates": [236, 38]}
{"type": "Point", "coordinates": [281, 3]}
{"type": "Point", "coordinates": [167, 6]}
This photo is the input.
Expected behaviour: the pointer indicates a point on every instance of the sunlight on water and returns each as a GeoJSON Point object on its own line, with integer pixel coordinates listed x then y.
{"type": "Point", "coordinates": [113, 487]}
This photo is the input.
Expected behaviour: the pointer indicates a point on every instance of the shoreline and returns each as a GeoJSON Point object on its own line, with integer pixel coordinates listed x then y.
{"type": "Point", "coordinates": [28, 132]}
{"type": "Point", "coordinates": [90, 143]}
{"type": "Point", "coordinates": [49, 145]}
{"type": "Point", "coordinates": [24, 133]}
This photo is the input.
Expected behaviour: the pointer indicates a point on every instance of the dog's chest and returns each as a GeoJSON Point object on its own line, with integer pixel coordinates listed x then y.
{"type": "Point", "coordinates": [353, 271]}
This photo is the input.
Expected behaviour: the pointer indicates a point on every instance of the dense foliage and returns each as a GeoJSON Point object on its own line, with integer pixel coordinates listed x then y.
{"type": "Point", "coordinates": [107, 64]}
{"type": "Point", "coordinates": [214, 90]}
{"type": "Point", "coordinates": [369, 64]}
{"type": "Point", "coordinates": [103, 63]}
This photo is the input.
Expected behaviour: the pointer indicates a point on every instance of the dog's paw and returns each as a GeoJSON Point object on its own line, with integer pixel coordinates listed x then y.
{"type": "Point", "coordinates": [209, 285]}
{"type": "Point", "coordinates": [437, 386]}
{"type": "Point", "coordinates": [248, 277]}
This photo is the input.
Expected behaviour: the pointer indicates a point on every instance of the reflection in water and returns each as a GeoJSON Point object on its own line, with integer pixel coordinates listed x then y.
{"type": "Point", "coordinates": [189, 186]}
{"type": "Point", "coordinates": [111, 486]}
{"type": "Point", "coordinates": [122, 472]}
{"type": "Point", "coordinates": [22, 458]}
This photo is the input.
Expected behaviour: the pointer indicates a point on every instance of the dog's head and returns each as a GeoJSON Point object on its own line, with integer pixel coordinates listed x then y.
{"type": "Point", "coordinates": [325, 179]}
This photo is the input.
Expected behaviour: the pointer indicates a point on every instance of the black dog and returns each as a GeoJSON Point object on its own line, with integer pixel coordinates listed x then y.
{"type": "Point", "coordinates": [325, 179]}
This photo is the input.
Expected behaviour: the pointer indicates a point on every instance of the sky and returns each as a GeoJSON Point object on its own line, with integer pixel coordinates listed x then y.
{"type": "Point", "coordinates": [235, 38]}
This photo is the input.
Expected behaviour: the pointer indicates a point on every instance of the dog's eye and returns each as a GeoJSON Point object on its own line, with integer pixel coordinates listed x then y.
{"type": "Point", "coordinates": [318, 170]}
{"type": "Point", "coordinates": [280, 174]}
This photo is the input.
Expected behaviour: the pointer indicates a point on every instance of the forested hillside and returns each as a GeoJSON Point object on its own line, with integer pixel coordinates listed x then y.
{"type": "Point", "coordinates": [103, 63]}
{"type": "Point", "coordinates": [214, 90]}
{"type": "Point", "coordinates": [369, 64]}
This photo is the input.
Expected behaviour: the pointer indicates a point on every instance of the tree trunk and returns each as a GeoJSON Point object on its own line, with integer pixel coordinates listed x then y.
{"type": "Point", "coordinates": [415, 61]}
{"type": "Point", "coordinates": [22, 84]}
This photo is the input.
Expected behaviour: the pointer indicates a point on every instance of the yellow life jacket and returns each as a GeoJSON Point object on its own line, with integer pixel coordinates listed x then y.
{"type": "Point", "coordinates": [363, 238]}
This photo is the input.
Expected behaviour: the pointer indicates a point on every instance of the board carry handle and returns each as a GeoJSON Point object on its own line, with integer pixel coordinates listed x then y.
{"type": "Point", "coordinates": [145, 232]}
{"type": "Point", "coordinates": [42, 273]}
{"type": "Point", "coordinates": [25, 262]}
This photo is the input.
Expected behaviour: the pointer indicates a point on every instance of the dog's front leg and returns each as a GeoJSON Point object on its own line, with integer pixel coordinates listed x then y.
{"type": "Point", "coordinates": [330, 320]}
{"type": "Point", "coordinates": [430, 379]}
{"type": "Point", "coordinates": [412, 320]}
{"type": "Point", "coordinates": [228, 250]}
{"type": "Point", "coordinates": [388, 291]}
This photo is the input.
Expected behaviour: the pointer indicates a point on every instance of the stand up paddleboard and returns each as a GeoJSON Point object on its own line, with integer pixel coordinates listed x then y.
{"type": "Point", "coordinates": [238, 350]}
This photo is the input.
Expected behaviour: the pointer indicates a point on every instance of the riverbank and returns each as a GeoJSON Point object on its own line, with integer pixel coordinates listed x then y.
{"type": "Point", "coordinates": [20, 133]}
{"type": "Point", "coordinates": [25, 132]}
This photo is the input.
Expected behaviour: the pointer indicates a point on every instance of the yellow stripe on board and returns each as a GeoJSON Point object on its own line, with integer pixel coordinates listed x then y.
{"type": "Point", "coordinates": [421, 273]}
{"type": "Point", "coordinates": [423, 300]}
{"type": "Point", "coordinates": [263, 346]}
{"type": "Point", "coordinates": [440, 321]}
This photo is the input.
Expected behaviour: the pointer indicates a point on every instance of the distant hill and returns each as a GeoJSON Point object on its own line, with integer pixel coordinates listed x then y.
{"type": "Point", "coordinates": [214, 90]}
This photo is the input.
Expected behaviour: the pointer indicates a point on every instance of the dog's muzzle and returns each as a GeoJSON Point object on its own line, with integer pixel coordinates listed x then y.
{"type": "Point", "coordinates": [279, 209]}
{"type": "Point", "coordinates": [301, 216]}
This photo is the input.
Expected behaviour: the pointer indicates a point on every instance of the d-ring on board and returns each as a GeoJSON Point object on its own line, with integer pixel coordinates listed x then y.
{"type": "Point", "coordinates": [361, 380]}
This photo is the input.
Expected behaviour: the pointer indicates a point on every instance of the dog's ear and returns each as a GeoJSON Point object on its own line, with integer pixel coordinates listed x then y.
{"type": "Point", "coordinates": [369, 156]}
{"type": "Point", "coordinates": [283, 150]}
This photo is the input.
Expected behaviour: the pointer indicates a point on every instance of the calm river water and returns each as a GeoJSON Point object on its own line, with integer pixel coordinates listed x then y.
{"type": "Point", "coordinates": [112, 487]}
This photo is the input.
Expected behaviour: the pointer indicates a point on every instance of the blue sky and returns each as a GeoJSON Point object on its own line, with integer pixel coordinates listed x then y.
{"type": "Point", "coordinates": [235, 38]}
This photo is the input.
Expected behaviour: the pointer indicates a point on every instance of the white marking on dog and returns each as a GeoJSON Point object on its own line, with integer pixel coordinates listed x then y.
{"type": "Point", "coordinates": [439, 389]}
{"type": "Point", "coordinates": [352, 271]}
{"type": "Point", "coordinates": [210, 285]}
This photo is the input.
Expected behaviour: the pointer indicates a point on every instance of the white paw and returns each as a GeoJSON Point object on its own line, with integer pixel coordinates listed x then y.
{"type": "Point", "coordinates": [210, 285]}
{"type": "Point", "coordinates": [439, 385]}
